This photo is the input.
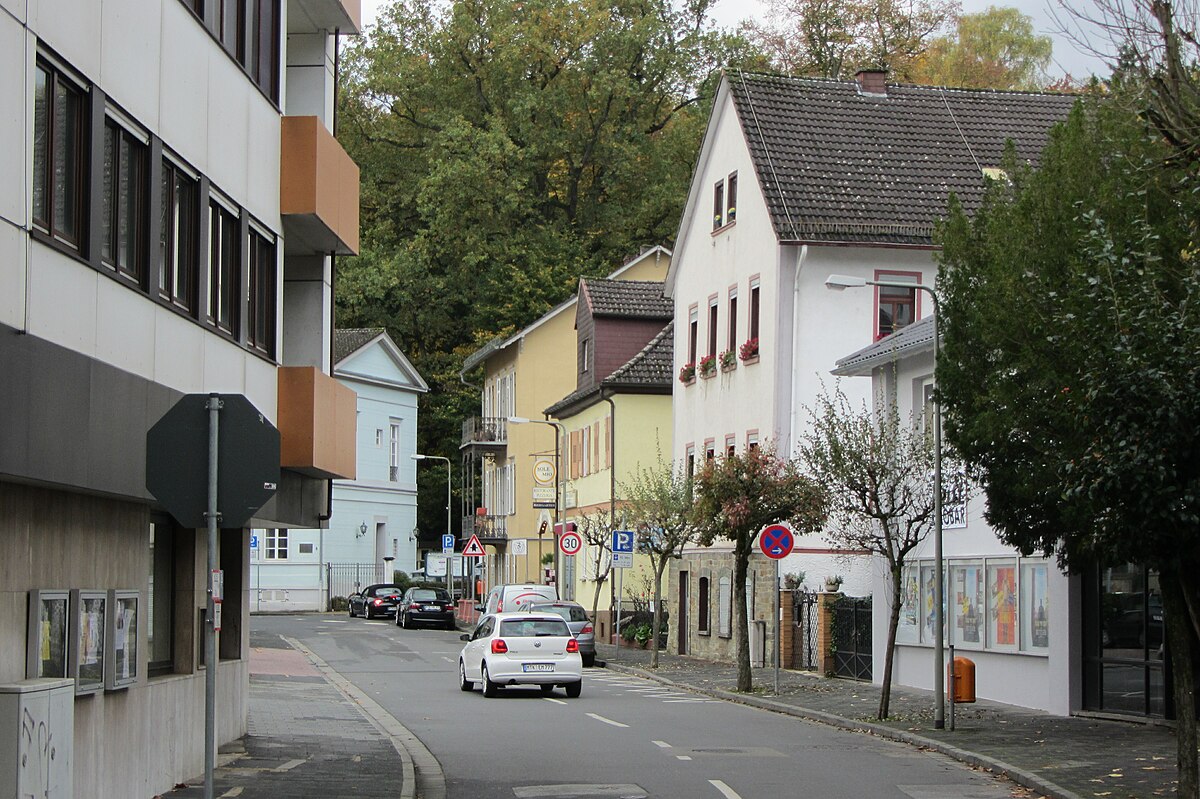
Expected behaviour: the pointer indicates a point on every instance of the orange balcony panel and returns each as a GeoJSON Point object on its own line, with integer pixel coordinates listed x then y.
{"type": "Point", "coordinates": [318, 190]}
{"type": "Point", "coordinates": [317, 423]}
{"type": "Point", "coordinates": [310, 16]}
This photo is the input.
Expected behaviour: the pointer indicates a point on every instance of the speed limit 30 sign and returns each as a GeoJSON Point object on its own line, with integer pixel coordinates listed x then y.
{"type": "Point", "coordinates": [570, 543]}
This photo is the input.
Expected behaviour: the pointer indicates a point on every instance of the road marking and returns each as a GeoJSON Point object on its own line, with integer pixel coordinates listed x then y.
{"type": "Point", "coordinates": [555, 701]}
{"type": "Point", "coordinates": [598, 717]}
{"type": "Point", "coordinates": [683, 757]}
{"type": "Point", "coordinates": [661, 744]}
{"type": "Point", "coordinates": [726, 791]}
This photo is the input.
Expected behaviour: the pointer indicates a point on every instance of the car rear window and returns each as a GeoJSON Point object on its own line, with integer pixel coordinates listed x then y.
{"type": "Point", "coordinates": [533, 628]}
{"type": "Point", "coordinates": [428, 594]}
{"type": "Point", "coordinates": [568, 612]}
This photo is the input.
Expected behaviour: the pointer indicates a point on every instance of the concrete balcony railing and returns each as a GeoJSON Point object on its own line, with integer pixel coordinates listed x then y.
{"type": "Point", "coordinates": [318, 190]}
{"type": "Point", "coordinates": [318, 417]}
{"type": "Point", "coordinates": [485, 430]}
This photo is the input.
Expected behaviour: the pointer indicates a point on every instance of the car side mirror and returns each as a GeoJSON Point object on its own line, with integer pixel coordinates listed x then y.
{"type": "Point", "coordinates": [464, 637]}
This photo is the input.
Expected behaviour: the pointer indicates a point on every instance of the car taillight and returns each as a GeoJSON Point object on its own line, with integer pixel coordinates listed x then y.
{"type": "Point", "coordinates": [499, 647]}
{"type": "Point", "coordinates": [572, 645]}
{"type": "Point", "coordinates": [587, 629]}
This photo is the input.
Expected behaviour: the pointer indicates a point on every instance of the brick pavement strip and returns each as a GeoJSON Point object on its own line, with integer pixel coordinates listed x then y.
{"type": "Point", "coordinates": [1061, 757]}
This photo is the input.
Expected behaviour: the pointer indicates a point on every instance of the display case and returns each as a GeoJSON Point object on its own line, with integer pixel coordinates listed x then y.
{"type": "Point", "coordinates": [89, 620]}
{"type": "Point", "coordinates": [47, 632]}
{"type": "Point", "coordinates": [121, 639]}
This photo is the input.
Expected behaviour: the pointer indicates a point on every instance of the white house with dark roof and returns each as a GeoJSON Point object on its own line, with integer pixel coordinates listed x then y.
{"type": "Point", "coordinates": [798, 179]}
{"type": "Point", "coordinates": [372, 516]}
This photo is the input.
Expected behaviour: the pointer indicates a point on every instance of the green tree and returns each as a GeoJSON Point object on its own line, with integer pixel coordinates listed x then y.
{"type": "Point", "coordinates": [506, 149]}
{"type": "Point", "coordinates": [994, 49]}
{"type": "Point", "coordinates": [835, 38]}
{"type": "Point", "coordinates": [1069, 372]}
{"type": "Point", "coordinates": [875, 470]}
{"type": "Point", "coordinates": [658, 504]}
{"type": "Point", "coordinates": [735, 498]}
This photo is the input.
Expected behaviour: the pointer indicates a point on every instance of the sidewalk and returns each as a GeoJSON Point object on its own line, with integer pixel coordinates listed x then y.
{"type": "Point", "coordinates": [306, 740]}
{"type": "Point", "coordinates": [1066, 758]}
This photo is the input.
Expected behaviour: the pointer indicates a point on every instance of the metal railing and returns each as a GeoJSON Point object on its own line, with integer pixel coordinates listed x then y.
{"type": "Point", "coordinates": [485, 430]}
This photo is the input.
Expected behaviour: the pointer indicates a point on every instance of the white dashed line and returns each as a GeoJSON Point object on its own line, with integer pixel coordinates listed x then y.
{"type": "Point", "coordinates": [661, 744]}
{"type": "Point", "coordinates": [598, 717]}
{"type": "Point", "coordinates": [726, 791]}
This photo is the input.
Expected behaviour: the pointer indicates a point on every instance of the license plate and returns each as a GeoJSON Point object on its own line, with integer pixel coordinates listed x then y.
{"type": "Point", "coordinates": [537, 666]}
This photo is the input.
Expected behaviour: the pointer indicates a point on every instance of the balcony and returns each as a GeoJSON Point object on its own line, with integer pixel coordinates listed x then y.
{"type": "Point", "coordinates": [318, 190]}
{"type": "Point", "coordinates": [318, 417]}
{"type": "Point", "coordinates": [490, 529]}
{"type": "Point", "coordinates": [485, 431]}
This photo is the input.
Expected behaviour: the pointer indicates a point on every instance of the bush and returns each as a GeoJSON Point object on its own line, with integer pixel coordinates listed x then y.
{"type": "Point", "coordinates": [339, 604]}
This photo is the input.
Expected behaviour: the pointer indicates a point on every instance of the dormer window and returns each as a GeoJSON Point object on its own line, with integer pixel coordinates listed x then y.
{"type": "Point", "coordinates": [725, 201]}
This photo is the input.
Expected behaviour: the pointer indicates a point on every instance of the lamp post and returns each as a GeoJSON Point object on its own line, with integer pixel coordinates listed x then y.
{"type": "Point", "coordinates": [838, 283]}
{"type": "Point", "coordinates": [418, 457]}
{"type": "Point", "coordinates": [558, 428]}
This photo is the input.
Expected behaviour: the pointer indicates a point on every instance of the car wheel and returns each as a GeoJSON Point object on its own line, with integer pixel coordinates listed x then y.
{"type": "Point", "coordinates": [574, 689]}
{"type": "Point", "coordinates": [489, 687]}
{"type": "Point", "coordinates": [589, 660]}
{"type": "Point", "coordinates": [463, 683]}
{"type": "Point", "coordinates": [546, 689]}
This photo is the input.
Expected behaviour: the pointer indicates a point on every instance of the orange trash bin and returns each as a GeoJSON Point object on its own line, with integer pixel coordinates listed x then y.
{"type": "Point", "coordinates": [960, 680]}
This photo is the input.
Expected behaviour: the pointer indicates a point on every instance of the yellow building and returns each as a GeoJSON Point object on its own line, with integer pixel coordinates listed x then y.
{"type": "Point", "coordinates": [521, 376]}
{"type": "Point", "coordinates": [616, 421]}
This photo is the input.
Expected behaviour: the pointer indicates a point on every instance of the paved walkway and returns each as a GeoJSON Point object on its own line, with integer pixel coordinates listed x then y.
{"type": "Point", "coordinates": [1067, 758]}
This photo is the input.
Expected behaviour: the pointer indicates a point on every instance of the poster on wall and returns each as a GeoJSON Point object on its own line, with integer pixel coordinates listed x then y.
{"type": "Point", "coordinates": [122, 639]}
{"type": "Point", "coordinates": [967, 596]}
{"type": "Point", "coordinates": [47, 633]}
{"type": "Point", "coordinates": [1002, 604]}
{"type": "Point", "coordinates": [88, 621]}
{"type": "Point", "coordinates": [1035, 606]}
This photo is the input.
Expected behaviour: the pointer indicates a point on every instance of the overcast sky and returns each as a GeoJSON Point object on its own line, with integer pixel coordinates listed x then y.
{"type": "Point", "coordinates": [727, 13]}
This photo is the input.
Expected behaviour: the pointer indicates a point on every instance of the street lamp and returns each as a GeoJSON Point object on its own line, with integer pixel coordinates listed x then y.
{"type": "Point", "coordinates": [558, 428]}
{"type": "Point", "coordinates": [839, 283]}
{"type": "Point", "coordinates": [449, 585]}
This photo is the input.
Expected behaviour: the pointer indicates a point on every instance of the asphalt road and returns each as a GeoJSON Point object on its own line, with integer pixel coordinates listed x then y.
{"type": "Point", "coordinates": [624, 737]}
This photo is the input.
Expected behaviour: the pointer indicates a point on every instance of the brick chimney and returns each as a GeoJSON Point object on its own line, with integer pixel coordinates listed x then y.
{"type": "Point", "coordinates": [872, 82]}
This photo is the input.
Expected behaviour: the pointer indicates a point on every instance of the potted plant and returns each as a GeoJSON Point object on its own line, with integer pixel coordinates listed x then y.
{"type": "Point", "coordinates": [728, 360]}
{"type": "Point", "coordinates": [749, 350]}
{"type": "Point", "coordinates": [688, 372]}
{"type": "Point", "coordinates": [708, 366]}
{"type": "Point", "coordinates": [833, 583]}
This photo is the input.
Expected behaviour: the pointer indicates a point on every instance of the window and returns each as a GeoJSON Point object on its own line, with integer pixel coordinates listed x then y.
{"type": "Point", "coordinates": [160, 602]}
{"type": "Point", "coordinates": [260, 332]}
{"type": "Point", "coordinates": [178, 243]}
{"type": "Point", "coordinates": [731, 198]}
{"type": "Point", "coordinates": [224, 267]}
{"type": "Point", "coordinates": [712, 327]}
{"type": "Point", "coordinates": [731, 341]}
{"type": "Point", "coordinates": [583, 355]}
{"type": "Point", "coordinates": [754, 293]}
{"type": "Point", "coordinates": [394, 451]}
{"type": "Point", "coordinates": [719, 205]}
{"type": "Point", "coordinates": [122, 243]}
{"type": "Point", "coordinates": [59, 155]}
{"type": "Point", "coordinates": [277, 545]}
{"type": "Point", "coordinates": [702, 607]}
{"type": "Point", "coordinates": [693, 332]}
{"type": "Point", "coordinates": [897, 307]}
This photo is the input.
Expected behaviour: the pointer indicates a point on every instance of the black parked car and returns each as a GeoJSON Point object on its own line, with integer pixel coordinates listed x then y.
{"type": "Point", "coordinates": [375, 600]}
{"type": "Point", "coordinates": [425, 606]}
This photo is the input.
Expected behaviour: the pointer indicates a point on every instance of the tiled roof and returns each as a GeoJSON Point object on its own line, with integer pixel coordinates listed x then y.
{"type": "Point", "coordinates": [640, 299]}
{"type": "Point", "coordinates": [650, 367]}
{"type": "Point", "coordinates": [347, 342]}
{"type": "Point", "coordinates": [907, 341]}
{"type": "Point", "coordinates": [837, 165]}
{"type": "Point", "coordinates": [647, 372]}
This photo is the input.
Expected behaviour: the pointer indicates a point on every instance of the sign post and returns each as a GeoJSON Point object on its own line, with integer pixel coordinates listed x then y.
{"type": "Point", "coordinates": [776, 542]}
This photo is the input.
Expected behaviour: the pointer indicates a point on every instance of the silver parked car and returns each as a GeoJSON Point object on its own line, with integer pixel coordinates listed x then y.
{"type": "Point", "coordinates": [576, 618]}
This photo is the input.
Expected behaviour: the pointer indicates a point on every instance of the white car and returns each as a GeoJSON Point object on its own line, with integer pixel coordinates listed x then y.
{"type": "Point", "coordinates": [521, 649]}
